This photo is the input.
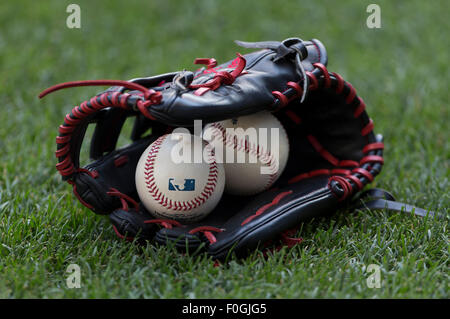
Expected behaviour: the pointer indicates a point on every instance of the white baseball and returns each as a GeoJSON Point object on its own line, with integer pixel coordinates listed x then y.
{"type": "Point", "coordinates": [246, 178]}
{"type": "Point", "coordinates": [186, 192]}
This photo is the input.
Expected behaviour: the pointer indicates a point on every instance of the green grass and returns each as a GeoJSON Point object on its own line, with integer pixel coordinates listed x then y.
{"type": "Point", "coordinates": [401, 71]}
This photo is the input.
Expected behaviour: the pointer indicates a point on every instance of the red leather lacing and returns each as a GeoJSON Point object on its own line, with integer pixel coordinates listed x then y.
{"type": "Point", "coordinates": [288, 240]}
{"type": "Point", "coordinates": [93, 173]}
{"type": "Point", "coordinates": [208, 232]}
{"type": "Point", "coordinates": [75, 192]}
{"type": "Point", "coordinates": [220, 77]}
{"type": "Point", "coordinates": [372, 147]}
{"type": "Point", "coordinates": [371, 158]}
{"type": "Point", "coordinates": [210, 63]}
{"type": "Point", "coordinates": [318, 172]}
{"type": "Point", "coordinates": [293, 116]}
{"type": "Point", "coordinates": [124, 199]}
{"type": "Point", "coordinates": [120, 235]}
{"type": "Point", "coordinates": [141, 101]}
{"type": "Point", "coordinates": [296, 87]}
{"type": "Point", "coordinates": [313, 83]}
{"type": "Point", "coordinates": [345, 185]}
{"type": "Point", "coordinates": [166, 223]}
{"type": "Point", "coordinates": [129, 85]}
{"type": "Point", "coordinates": [349, 180]}
{"type": "Point", "coordinates": [281, 97]}
{"type": "Point", "coordinates": [322, 151]}
{"type": "Point", "coordinates": [325, 74]}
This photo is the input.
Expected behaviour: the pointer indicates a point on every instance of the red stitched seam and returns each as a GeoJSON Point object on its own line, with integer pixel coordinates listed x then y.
{"type": "Point", "coordinates": [264, 156]}
{"type": "Point", "coordinates": [173, 204]}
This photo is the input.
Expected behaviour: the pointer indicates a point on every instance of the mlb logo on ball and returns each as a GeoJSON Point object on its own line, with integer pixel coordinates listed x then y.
{"type": "Point", "coordinates": [189, 185]}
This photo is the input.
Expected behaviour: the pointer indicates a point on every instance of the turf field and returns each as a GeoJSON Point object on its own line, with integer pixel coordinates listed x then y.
{"type": "Point", "coordinates": [401, 70]}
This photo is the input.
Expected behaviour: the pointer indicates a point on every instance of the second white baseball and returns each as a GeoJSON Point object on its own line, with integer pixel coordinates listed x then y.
{"type": "Point", "coordinates": [246, 178]}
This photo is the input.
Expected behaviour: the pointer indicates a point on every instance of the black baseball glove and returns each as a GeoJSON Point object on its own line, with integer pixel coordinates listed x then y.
{"type": "Point", "coordinates": [334, 152]}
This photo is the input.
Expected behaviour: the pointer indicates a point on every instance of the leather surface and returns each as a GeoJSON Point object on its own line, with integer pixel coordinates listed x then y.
{"type": "Point", "coordinates": [308, 199]}
{"type": "Point", "coordinates": [250, 92]}
{"type": "Point", "coordinates": [131, 223]}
